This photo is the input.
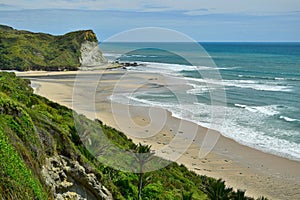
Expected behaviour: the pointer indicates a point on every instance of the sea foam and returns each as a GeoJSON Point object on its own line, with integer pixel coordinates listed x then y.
{"type": "Point", "coordinates": [262, 93]}
{"type": "Point", "coordinates": [289, 119]}
{"type": "Point", "coordinates": [233, 123]}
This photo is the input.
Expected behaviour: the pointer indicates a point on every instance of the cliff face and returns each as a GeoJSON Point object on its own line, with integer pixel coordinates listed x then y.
{"type": "Point", "coordinates": [24, 50]}
{"type": "Point", "coordinates": [91, 56]}
{"type": "Point", "coordinates": [68, 179]}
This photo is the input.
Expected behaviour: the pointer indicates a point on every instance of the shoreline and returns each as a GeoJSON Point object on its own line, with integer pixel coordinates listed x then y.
{"type": "Point", "coordinates": [243, 167]}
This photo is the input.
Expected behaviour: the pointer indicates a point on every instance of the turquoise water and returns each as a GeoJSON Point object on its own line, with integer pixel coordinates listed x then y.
{"type": "Point", "coordinates": [261, 81]}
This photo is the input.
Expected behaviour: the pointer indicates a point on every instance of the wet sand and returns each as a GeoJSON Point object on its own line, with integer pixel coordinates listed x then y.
{"type": "Point", "coordinates": [260, 174]}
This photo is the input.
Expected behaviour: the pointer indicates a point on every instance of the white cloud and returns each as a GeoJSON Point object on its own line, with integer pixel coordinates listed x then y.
{"type": "Point", "coordinates": [189, 7]}
{"type": "Point", "coordinates": [231, 27]}
{"type": "Point", "coordinates": [197, 12]}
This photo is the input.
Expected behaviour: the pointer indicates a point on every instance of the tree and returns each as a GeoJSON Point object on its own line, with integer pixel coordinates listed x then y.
{"type": "Point", "coordinates": [143, 154]}
{"type": "Point", "coordinates": [239, 195]}
{"type": "Point", "coordinates": [262, 198]}
{"type": "Point", "coordinates": [187, 195]}
{"type": "Point", "coordinates": [216, 190]}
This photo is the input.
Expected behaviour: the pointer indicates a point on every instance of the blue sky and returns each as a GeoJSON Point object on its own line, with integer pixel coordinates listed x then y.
{"type": "Point", "coordinates": [203, 20]}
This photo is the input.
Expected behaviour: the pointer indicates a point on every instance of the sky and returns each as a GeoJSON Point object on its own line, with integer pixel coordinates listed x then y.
{"type": "Point", "coordinates": [202, 20]}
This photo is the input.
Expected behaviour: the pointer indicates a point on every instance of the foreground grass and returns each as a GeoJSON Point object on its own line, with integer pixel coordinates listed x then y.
{"type": "Point", "coordinates": [17, 179]}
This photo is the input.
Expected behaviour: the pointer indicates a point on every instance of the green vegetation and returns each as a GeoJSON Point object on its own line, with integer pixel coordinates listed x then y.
{"type": "Point", "coordinates": [143, 155]}
{"type": "Point", "coordinates": [24, 50]}
{"type": "Point", "coordinates": [17, 181]}
{"type": "Point", "coordinates": [33, 128]}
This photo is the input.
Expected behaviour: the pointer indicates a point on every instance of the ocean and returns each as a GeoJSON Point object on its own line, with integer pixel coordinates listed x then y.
{"type": "Point", "coordinates": [261, 83]}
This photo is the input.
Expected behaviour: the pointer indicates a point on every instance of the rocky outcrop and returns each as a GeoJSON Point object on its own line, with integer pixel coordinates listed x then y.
{"type": "Point", "coordinates": [91, 56]}
{"type": "Point", "coordinates": [70, 180]}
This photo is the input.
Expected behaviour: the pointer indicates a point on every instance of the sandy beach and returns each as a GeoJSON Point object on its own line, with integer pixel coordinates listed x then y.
{"type": "Point", "coordinates": [259, 173]}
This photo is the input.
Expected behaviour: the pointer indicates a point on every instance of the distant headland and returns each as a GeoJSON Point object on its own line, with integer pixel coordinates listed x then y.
{"type": "Point", "coordinates": [23, 50]}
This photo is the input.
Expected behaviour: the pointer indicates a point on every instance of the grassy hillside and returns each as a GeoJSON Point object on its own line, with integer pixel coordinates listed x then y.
{"type": "Point", "coordinates": [33, 128]}
{"type": "Point", "coordinates": [24, 50]}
